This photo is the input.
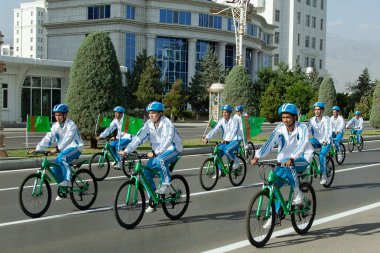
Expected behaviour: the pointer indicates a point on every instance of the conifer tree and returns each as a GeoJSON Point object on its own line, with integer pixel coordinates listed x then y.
{"type": "Point", "coordinates": [374, 119]}
{"type": "Point", "coordinates": [327, 94]}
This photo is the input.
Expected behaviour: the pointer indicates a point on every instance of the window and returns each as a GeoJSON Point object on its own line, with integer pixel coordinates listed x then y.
{"type": "Point", "coordinates": [312, 62]}
{"type": "Point", "coordinates": [31, 39]}
{"type": "Point", "coordinates": [298, 39]}
{"type": "Point", "coordinates": [17, 49]}
{"type": "Point", "coordinates": [322, 4]}
{"type": "Point", "coordinates": [306, 61]}
{"type": "Point", "coordinates": [231, 27]}
{"type": "Point", "coordinates": [17, 23]}
{"type": "Point", "coordinates": [252, 30]}
{"type": "Point", "coordinates": [313, 42]}
{"type": "Point", "coordinates": [298, 60]}
{"type": "Point", "coordinates": [206, 20]}
{"type": "Point", "coordinates": [320, 64]}
{"type": "Point", "coordinates": [314, 3]}
{"type": "Point", "coordinates": [276, 37]}
{"type": "Point", "coordinates": [31, 13]}
{"type": "Point", "coordinates": [98, 12]}
{"type": "Point", "coordinates": [229, 57]}
{"type": "Point", "coordinates": [130, 50]}
{"type": "Point", "coordinates": [308, 2]}
{"type": "Point", "coordinates": [298, 17]}
{"type": "Point", "coordinates": [31, 22]}
{"type": "Point", "coordinates": [321, 44]}
{"type": "Point", "coordinates": [321, 23]}
{"type": "Point", "coordinates": [307, 41]}
{"type": "Point", "coordinates": [202, 48]}
{"type": "Point", "coordinates": [18, 14]}
{"type": "Point", "coordinates": [31, 48]}
{"type": "Point", "coordinates": [276, 59]}
{"type": "Point", "coordinates": [17, 40]}
{"type": "Point", "coordinates": [17, 31]}
{"type": "Point", "coordinates": [4, 87]}
{"type": "Point", "coordinates": [130, 12]}
{"type": "Point", "coordinates": [277, 16]}
{"type": "Point", "coordinates": [31, 30]}
{"type": "Point", "coordinates": [248, 60]}
{"type": "Point", "coordinates": [314, 22]}
{"type": "Point", "coordinates": [175, 17]}
{"type": "Point", "coordinates": [307, 20]}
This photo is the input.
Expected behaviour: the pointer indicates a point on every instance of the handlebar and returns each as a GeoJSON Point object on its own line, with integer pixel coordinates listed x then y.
{"type": "Point", "coordinates": [135, 155]}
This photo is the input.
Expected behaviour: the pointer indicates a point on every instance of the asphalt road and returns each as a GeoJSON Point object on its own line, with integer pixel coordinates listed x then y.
{"type": "Point", "coordinates": [213, 222]}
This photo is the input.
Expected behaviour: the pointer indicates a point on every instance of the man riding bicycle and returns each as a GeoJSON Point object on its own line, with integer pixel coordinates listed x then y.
{"type": "Point", "coordinates": [122, 139]}
{"type": "Point", "coordinates": [337, 123]}
{"type": "Point", "coordinates": [357, 126]}
{"type": "Point", "coordinates": [230, 136]}
{"type": "Point", "coordinates": [320, 128]}
{"type": "Point", "coordinates": [69, 144]}
{"type": "Point", "coordinates": [166, 146]}
{"type": "Point", "coordinates": [239, 113]}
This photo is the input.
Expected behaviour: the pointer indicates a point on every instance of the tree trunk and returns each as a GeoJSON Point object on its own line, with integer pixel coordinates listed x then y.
{"type": "Point", "coordinates": [94, 143]}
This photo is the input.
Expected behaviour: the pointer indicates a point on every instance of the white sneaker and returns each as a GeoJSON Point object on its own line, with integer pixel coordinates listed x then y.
{"type": "Point", "coordinates": [219, 174]}
{"type": "Point", "coordinates": [58, 198]}
{"type": "Point", "coordinates": [323, 180]}
{"type": "Point", "coordinates": [64, 183]}
{"type": "Point", "coordinates": [150, 209]}
{"type": "Point", "coordinates": [118, 166]}
{"type": "Point", "coordinates": [268, 223]}
{"type": "Point", "coordinates": [298, 197]}
{"type": "Point", "coordinates": [235, 165]}
{"type": "Point", "coordinates": [164, 189]}
{"type": "Point", "coordinates": [340, 156]}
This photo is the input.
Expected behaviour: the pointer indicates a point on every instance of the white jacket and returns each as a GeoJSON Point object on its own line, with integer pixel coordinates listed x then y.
{"type": "Point", "coordinates": [66, 136]}
{"type": "Point", "coordinates": [356, 123]}
{"type": "Point", "coordinates": [229, 129]}
{"type": "Point", "coordinates": [240, 132]}
{"type": "Point", "coordinates": [289, 146]}
{"type": "Point", "coordinates": [322, 131]}
{"type": "Point", "coordinates": [163, 138]}
{"type": "Point", "coordinates": [337, 124]}
{"type": "Point", "coordinates": [115, 124]}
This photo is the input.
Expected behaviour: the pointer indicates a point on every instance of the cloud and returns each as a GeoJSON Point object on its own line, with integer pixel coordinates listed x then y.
{"type": "Point", "coordinates": [335, 23]}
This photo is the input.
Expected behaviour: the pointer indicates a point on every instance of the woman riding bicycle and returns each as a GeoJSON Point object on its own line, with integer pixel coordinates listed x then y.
{"type": "Point", "coordinates": [337, 123]}
{"type": "Point", "coordinates": [357, 126]}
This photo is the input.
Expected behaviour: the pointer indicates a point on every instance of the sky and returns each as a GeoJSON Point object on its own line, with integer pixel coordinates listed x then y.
{"type": "Point", "coordinates": [352, 44]}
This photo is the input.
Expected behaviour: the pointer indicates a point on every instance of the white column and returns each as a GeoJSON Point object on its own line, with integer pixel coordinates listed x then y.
{"type": "Point", "coordinates": [221, 51]}
{"type": "Point", "coordinates": [191, 53]}
{"type": "Point", "coordinates": [150, 44]}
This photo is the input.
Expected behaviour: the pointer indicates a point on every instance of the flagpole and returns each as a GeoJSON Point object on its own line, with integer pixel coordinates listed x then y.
{"type": "Point", "coordinates": [96, 125]}
{"type": "Point", "coordinates": [204, 134]}
{"type": "Point", "coordinates": [122, 122]}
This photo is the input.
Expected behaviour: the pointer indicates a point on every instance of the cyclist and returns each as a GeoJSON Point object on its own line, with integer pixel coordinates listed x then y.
{"type": "Point", "coordinates": [320, 128]}
{"type": "Point", "coordinates": [239, 113]}
{"type": "Point", "coordinates": [295, 151]}
{"type": "Point", "coordinates": [337, 123]}
{"type": "Point", "coordinates": [230, 136]}
{"type": "Point", "coordinates": [166, 146]}
{"type": "Point", "coordinates": [122, 139]}
{"type": "Point", "coordinates": [357, 126]}
{"type": "Point", "coordinates": [69, 144]}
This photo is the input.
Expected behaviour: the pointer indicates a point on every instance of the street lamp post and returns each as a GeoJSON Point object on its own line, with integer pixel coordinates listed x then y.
{"type": "Point", "coordinates": [3, 153]}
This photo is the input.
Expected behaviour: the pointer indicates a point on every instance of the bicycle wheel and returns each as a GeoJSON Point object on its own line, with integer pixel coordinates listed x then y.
{"type": "Point", "coordinates": [237, 176]}
{"type": "Point", "coordinates": [330, 172]}
{"type": "Point", "coordinates": [84, 189]}
{"type": "Point", "coordinates": [306, 176]}
{"type": "Point", "coordinates": [250, 151]}
{"type": "Point", "coordinates": [99, 166]}
{"type": "Point", "coordinates": [351, 143]}
{"type": "Point", "coordinates": [128, 167]}
{"type": "Point", "coordinates": [129, 204]}
{"type": "Point", "coordinates": [175, 205]}
{"type": "Point", "coordinates": [360, 146]}
{"type": "Point", "coordinates": [302, 216]}
{"type": "Point", "coordinates": [342, 152]}
{"type": "Point", "coordinates": [255, 219]}
{"type": "Point", "coordinates": [34, 196]}
{"type": "Point", "coordinates": [208, 174]}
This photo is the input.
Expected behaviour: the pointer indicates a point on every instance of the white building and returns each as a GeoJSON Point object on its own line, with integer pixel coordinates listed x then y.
{"type": "Point", "coordinates": [176, 32]}
{"type": "Point", "coordinates": [29, 38]}
{"type": "Point", "coordinates": [6, 49]}
{"type": "Point", "coordinates": [300, 35]}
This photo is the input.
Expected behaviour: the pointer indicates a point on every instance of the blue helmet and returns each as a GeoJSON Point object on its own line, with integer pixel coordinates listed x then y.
{"type": "Point", "coordinates": [320, 105]}
{"type": "Point", "coordinates": [227, 108]}
{"type": "Point", "coordinates": [357, 113]}
{"type": "Point", "coordinates": [336, 108]}
{"type": "Point", "coordinates": [239, 108]}
{"type": "Point", "coordinates": [119, 109]}
{"type": "Point", "coordinates": [288, 108]}
{"type": "Point", "coordinates": [61, 108]}
{"type": "Point", "coordinates": [155, 106]}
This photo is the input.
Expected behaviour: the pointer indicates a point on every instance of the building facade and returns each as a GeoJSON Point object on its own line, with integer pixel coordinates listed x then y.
{"type": "Point", "coordinates": [300, 35]}
{"type": "Point", "coordinates": [29, 39]}
{"type": "Point", "coordinates": [177, 33]}
{"type": "Point", "coordinates": [6, 49]}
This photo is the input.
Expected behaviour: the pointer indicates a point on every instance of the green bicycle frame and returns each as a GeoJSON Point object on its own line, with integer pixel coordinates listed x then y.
{"type": "Point", "coordinates": [219, 161]}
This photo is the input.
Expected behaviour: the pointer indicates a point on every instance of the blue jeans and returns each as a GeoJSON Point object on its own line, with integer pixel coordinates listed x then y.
{"type": "Point", "coordinates": [161, 163]}
{"type": "Point", "coordinates": [228, 150]}
{"type": "Point", "coordinates": [358, 134]}
{"type": "Point", "coordinates": [323, 153]}
{"type": "Point", "coordinates": [337, 138]}
{"type": "Point", "coordinates": [63, 160]}
{"type": "Point", "coordinates": [115, 147]}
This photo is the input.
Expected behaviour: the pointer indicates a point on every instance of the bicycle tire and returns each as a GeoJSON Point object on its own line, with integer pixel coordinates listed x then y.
{"type": "Point", "coordinates": [177, 207]}
{"type": "Point", "coordinates": [351, 143]}
{"type": "Point", "coordinates": [84, 189]}
{"type": "Point", "coordinates": [208, 174]}
{"type": "Point", "coordinates": [257, 235]}
{"type": "Point", "coordinates": [124, 212]}
{"type": "Point", "coordinates": [128, 167]}
{"type": "Point", "coordinates": [35, 201]}
{"type": "Point", "coordinates": [99, 166]}
{"type": "Point", "coordinates": [342, 151]}
{"type": "Point", "coordinates": [361, 145]}
{"type": "Point", "coordinates": [298, 218]}
{"type": "Point", "coordinates": [330, 172]}
{"type": "Point", "coordinates": [250, 151]}
{"type": "Point", "coordinates": [238, 175]}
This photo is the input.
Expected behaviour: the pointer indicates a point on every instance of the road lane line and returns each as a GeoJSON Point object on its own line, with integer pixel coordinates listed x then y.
{"type": "Point", "coordinates": [245, 243]}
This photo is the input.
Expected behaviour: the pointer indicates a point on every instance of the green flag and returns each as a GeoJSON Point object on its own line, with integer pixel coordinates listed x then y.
{"type": "Point", "coordinates": [131, 124]}
{"type": "Point", "coordinates": [252, 126]}
{"type": "Point", "coordinates": [38, 124]}
{"type": "Point", "coordinates": [212, 123]}
{"type": "Point", "coordinates": [103, 122]}
{"type": "Point", "coordinates": [303, 118]}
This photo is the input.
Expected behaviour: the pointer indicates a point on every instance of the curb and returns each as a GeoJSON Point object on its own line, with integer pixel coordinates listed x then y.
{"type": "Point", "coordinates": [17, 164]}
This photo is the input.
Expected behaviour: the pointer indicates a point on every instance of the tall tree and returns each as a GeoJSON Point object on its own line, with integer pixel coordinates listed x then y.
{"type": "Point", "coordinates": [300, 94]}
{"type": "Point", "coordinates": [343, 101]}
{"type": "Point", "coordinates": [362, 87]}
{"type": "Point", "coordinates": [364, 106]}
{"type": "Point", "coordinates": [374, 119]}
{"type": "Point", "coordinates": [270, 101]}
{"type": "Point", "coordinates": [95, 83]}
{"type": "Point", "coordinates": [174, 100]}
{"type": "Point", "coordinates": [314, 79]}
{"type": "Point", "coordinates": [327, 94]}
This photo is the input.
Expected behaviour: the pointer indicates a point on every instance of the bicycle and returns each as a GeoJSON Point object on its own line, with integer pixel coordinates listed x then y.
{"type": "Point", "coordinates": [248, 152]}
{"type": "Point", "coordinates": [262, 208]}
{"type": "Point", "coordinates": [100, 163]}
{"type": "Point", "coordinates": [209, 170]}
{"type": "Point", "coordinates": [35, 191]}
{"type": "Point", "coordinates": [129, 204]}
{"type": "Point", "coordinates": [352, 142]}
{"type": "Point", "coordinates": [314, 170]}
{"type": "Point", "coordinates": [334, 153]}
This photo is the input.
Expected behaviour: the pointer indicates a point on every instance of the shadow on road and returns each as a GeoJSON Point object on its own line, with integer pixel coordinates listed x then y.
{"type": "Point", "coordinates": [349, 186]}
